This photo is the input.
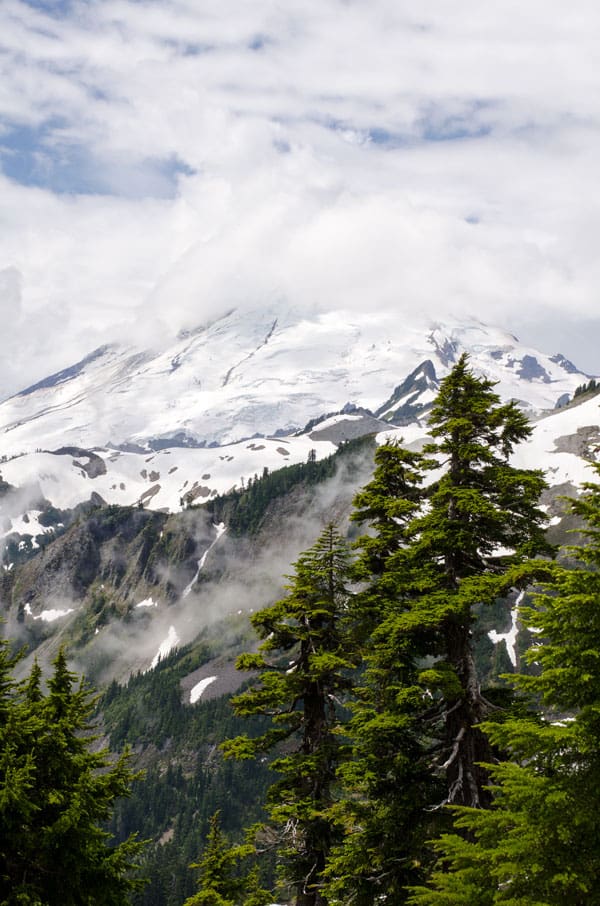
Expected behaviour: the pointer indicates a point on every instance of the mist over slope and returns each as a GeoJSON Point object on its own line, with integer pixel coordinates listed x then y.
{"type": "Point", "coordinates": [122, 586]}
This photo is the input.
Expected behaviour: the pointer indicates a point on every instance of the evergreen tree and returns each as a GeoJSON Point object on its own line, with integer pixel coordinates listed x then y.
{"type": "Point", "coordinates": [434, 554]}
{"type": "Point", "coordinates": [387, 505]}
{"type": "Point", "coordinates": [56, 793]}
{"type": "Point", "coordinates": [219, 879]}
{"type": "Point", "coordinates": [304, 671]}
{"type": "Point", "coordinates": [388, 783]}
{"type": "Point", "coordinates": [537, 845]}
{"type": "Point", "coordinates": [477, 535]}
{"type": "Point", "coordinates": [17, 769]}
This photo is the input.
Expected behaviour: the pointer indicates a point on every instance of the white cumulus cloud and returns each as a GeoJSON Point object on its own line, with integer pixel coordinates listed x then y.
{"type": "Point", "coordinates": [162, 161]}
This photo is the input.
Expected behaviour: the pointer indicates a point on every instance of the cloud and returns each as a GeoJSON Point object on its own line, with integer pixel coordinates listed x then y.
{"type": "Point", "coordinates": [163, 161]}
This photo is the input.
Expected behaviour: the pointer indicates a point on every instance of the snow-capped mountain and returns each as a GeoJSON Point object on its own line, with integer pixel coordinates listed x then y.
{"type": "Point", "coordinates": [215, 408]}
{"type": "Point", "coordinates": [266, 373]}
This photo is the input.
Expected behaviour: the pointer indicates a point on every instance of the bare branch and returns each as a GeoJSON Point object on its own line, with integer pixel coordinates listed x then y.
{"type": "Point", "coordinates": [455, 749]}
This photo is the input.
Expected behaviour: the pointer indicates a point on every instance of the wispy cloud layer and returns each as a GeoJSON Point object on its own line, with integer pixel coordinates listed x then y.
{"type": "Point", "coordinates": [162, 160]}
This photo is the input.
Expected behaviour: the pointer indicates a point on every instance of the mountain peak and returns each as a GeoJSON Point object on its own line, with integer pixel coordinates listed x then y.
{"type": "Point", "coordinates": [268, 372]}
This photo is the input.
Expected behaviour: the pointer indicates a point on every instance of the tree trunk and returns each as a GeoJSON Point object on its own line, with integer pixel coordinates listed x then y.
{"type": "Point", "coordinates": [466, 744]}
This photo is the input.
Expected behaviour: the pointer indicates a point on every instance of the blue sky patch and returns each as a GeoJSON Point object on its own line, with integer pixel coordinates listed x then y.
{"type": "Point", "coordinates": [440, 125]}
{"type": "Point", "coordinates": [189, 48]}
{"type": "Point", "coordinates": [24, 155]}
{"type": "Point", "coordinates": [58, 8]}
{"type": "Point", "coordinates": [259, 42]}
{"type": "Point", "coordinates": [33, 156]}
{"type": "Point", "coordinates": [434, 126]}
{"type": "Point", "coordinates": [386, 139]}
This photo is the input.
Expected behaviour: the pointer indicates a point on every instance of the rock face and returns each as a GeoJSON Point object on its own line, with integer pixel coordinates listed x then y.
{"type": "Point", "coordinates": [105, 561]}
{"type": "Point", "coordinates": [531, 370]}
{"type": "Point", "coordinates": [412, 399]}
{"type": "Point", "coordinates": [347, 426]}
{"type": "Point", "coordinates": [585, 443]}
{"type": "Point", "coordinates": [564, 363]}
{"type": "Point", "coordinates": [89, 462]}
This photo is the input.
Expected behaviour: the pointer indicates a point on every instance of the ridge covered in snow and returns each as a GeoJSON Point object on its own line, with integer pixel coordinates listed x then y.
{"type": "Point", "coordinates": [163, 429]}
{"type": "Point", "coordinates": [266, 372]}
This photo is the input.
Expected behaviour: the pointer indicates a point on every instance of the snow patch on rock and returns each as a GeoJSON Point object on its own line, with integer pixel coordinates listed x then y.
{"type": "Point", "coordinates": [510, 637]}
{"type": "Point", "coordinates": [198, 689]}
{"type": "Point", "coordinates": [166, 647]}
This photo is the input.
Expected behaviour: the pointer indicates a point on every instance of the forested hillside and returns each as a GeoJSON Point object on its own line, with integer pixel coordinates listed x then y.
{"type": "Point", "coordinates": [383, 744]}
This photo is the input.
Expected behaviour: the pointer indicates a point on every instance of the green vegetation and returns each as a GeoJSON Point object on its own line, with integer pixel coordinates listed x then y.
{"type": "Point", "coordinates": [472, 545]}
{"type": "Point", "coordinates": [220, 882]}
{"type": "Point", "coordinates": [56, 793]}
{"type": "Point", "coordinates": [386, 786]}
{"type": "Point", "coordinates": [591, 387]}
{"type": "Point", "coordinates": [434, 555]}
{"type": "Point", "coordinates": [187, 779]}
{"type": "Point", "coordinates": [536, 845]}
{"type": "Point", "coordinates": [299, 696]}
{"type": "Point", "coordinates": [244, 510]}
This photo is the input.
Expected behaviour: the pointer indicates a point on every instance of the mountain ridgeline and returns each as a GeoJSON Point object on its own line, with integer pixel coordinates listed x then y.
{"type": "Point", "coordinates": [215, 385]}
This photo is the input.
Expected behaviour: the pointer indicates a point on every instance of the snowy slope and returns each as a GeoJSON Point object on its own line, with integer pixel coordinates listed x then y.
{"type": "Point", "coordinates": [162, 480]}
{"type": "Point", "coordinates": [564, 443]}
{"type": "Point", "coordinates": [164, 428]}
{"type": "Point", "coordinates": [262, 373]}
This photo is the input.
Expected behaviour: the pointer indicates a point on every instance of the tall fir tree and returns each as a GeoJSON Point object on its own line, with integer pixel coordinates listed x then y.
{"type": "Point", "coordinates": [387, 506]}
{"type": "Point", "coordinates": [480, 529]}
{"type": "Point", "coordinates": [537, 845]}
{"type": "Point", "coordinates": [435, 553]}
{"type": "Point", "coordinates": [304, 666]}
{"type": "Point", "coordinates": [17, 770]}
{"type": "Point", "coordinates": [388, 783]}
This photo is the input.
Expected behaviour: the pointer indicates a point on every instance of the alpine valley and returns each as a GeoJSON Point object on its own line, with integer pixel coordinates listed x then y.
{"type": "Point", "coordinates": [150, 498]}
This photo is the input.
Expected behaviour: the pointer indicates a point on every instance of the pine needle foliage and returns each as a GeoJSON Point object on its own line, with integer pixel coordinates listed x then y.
{"type": "Point", "coordinates": [448, 530]}
{"type": "Point", "coordinates": [537, 845]}
{"type": "Point", "coordinates": [476, 539]}
{"type": "Point", "coordinates": [438, 547]}
{"type": "Point", "coordinates": [57, 792]}
{"type": "Point", "coordinates": [220, 880]}
{"type": "Point", "coordinates": [387, 784]}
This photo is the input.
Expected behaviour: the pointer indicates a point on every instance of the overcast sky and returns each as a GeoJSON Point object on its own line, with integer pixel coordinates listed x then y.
{"type": "Point", "coordinates": [161, 161]}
